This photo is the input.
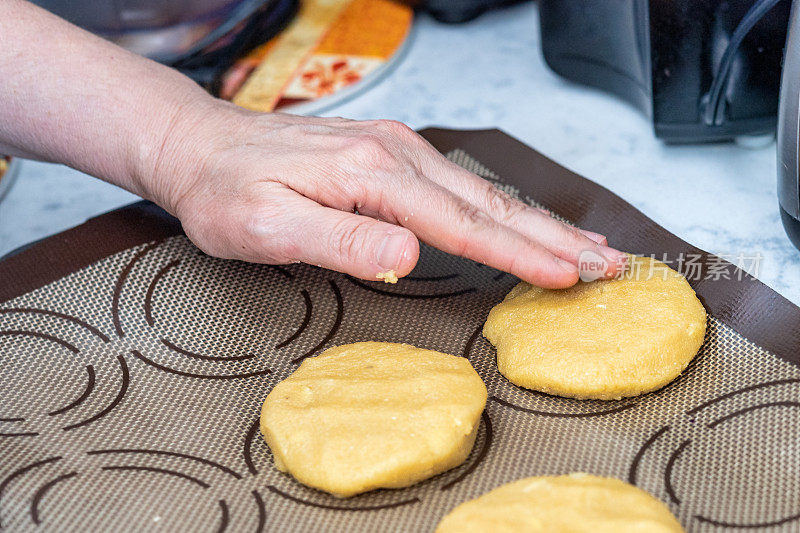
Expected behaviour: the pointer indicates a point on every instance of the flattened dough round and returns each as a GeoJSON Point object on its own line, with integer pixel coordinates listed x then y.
{"type": "Point", "coordinates": [606, 339]}
{"type": "Point", "coordinates": [373, 415]}
{"type": "Point", "coordinates": [574, 503]}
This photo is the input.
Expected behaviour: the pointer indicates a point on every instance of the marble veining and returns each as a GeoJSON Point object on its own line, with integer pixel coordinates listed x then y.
{"type": "Point", "coordinates": [490, 73]}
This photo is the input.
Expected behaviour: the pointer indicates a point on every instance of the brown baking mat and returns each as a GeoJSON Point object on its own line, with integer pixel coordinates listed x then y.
{"type": "Point", "coordinates": [133, 369]}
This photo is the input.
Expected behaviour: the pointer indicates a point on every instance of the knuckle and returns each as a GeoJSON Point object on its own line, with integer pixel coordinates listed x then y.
{"type": "Point", "coordinates": [370, 148]}
{"type": "Point", "coordinates": [348, 238]}
{"type": "Point", "coordinates": [261, 218]}
{"type": "Point", "coordinates": [469, 215]}
{"type": "Point", "coordinates": [395, 128]}
{"type": "Point", "coordinates": [504, 207]}
{"type": "Point", "coordinates": [300, 132]}
{"type": "Point", "coordinates": [372, 154]}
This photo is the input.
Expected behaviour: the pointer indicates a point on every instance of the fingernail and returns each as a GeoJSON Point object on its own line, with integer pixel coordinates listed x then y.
{"type": "Point", "coordinates": [596, 237]}
{"type": "Point", "coordinates": [391, 251]}
{"type": "Point", "coordinates": [568, 267]}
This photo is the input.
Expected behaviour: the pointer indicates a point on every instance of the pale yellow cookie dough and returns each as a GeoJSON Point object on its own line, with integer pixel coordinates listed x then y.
{"type": "Point", "coordinates": [577, 503]}
{"type": "Point", "coordinates": [605, 339]}
{"type": "Point", "coordinates": [373, 415]}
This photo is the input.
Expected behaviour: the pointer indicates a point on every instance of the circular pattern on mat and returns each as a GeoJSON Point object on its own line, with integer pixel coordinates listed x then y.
{"type": "Point", "coordinates": [80, 383]}
{"type": "Point", "coordinates": [153, 299]}
{"type": "Point", "coordinates": [695, 468]}
{"type": "Point", "coordinates": [151, 476]}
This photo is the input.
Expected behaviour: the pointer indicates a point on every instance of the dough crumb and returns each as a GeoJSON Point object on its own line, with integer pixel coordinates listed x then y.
{"type": "Point", "coordinates": [387, 277]}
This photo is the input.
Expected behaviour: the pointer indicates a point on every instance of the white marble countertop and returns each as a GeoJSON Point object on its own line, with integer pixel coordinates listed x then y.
{"type": "Point", "coordinates": [490, 73]}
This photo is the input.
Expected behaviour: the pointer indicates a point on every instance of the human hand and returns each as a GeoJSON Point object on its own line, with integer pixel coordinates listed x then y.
{"type": "Point", "coordinates": [350, 196]}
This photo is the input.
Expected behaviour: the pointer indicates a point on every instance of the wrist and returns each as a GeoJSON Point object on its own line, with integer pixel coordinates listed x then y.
{"type": "Point", "coordinates": [159, 153]}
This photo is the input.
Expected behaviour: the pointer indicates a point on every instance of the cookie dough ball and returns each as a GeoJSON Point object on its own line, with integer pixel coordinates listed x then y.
{"type": "Point", "coordinates": [373, 415]}
{"type": "Point", "coordinates": [575, 503]}
{"type": "Point", "coordinates": [606, 339]}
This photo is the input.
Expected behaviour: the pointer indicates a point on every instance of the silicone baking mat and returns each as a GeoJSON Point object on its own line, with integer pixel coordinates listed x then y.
{"type": "Point", "coordinates": [134, 367]}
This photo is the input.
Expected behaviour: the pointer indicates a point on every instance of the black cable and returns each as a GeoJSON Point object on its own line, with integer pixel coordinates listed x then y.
{"type": "Point", "coordinates": [714, 112]}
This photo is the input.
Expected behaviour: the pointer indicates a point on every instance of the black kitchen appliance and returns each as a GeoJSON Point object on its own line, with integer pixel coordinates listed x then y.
{"type": "Point", "coordinates": [701, 70]}
{"type": "Point", "coordinates": [788, 134]}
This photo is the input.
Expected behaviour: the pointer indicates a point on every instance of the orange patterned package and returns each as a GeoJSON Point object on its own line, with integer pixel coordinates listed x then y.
{"type": "Point", "coordinates": [330, 49]}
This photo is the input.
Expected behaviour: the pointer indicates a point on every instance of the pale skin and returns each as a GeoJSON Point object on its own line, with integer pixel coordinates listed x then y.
{"type": "Point", "coordinates": [352, 196]}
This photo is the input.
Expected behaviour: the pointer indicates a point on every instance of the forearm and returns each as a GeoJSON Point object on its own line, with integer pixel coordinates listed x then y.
{"type": "Point", "coordinates": [70, 97]}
